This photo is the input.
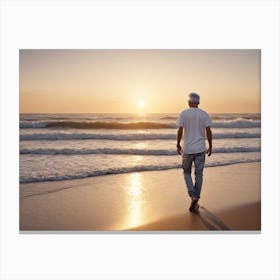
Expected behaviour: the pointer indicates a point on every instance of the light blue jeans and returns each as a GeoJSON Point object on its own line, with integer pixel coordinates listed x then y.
{"type": "Point", "coordinates": [199, 162]}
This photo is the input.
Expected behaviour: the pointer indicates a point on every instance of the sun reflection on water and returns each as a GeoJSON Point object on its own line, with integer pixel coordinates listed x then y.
{"type": "Point", "coordinates": [136, 159]}
{"type": "Point", "coordinates": [141, 145]}
{"type": "Point", "coordinates": [135, 200]}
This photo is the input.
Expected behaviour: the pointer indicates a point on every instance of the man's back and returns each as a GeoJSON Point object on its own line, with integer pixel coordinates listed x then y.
{"type": "Point", "coordinates": [194, 121]}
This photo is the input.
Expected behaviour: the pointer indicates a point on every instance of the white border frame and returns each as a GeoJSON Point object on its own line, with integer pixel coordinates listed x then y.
{"type": "Point", "coordinates": [140, 24]}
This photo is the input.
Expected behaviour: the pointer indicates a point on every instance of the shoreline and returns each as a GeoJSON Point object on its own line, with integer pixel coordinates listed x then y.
{"type": "Point", "coordinates": [50, 186]}
{"type": "Point", "coordinates": [145, 201]}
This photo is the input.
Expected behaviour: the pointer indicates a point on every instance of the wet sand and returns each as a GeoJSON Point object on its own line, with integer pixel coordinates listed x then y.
{"type": "Point", "coordinates": [145, 201]}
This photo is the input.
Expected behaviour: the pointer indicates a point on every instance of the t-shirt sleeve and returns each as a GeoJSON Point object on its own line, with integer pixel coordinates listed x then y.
{"type": "Point", "coordinates": [206, 120]}
{"type": "Point", "coordinates": [180, 120]}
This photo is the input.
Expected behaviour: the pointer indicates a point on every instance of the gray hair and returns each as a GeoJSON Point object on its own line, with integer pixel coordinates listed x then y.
{"type": "Point", "coordinates": [194, 98]}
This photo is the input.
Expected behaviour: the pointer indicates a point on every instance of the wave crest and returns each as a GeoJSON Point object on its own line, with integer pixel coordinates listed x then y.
{"type": "Point", "coordinates": [125, 137]}
{"type": "Point", "coordinates": [128, 151]}
{"type": "Point", "coordinates": [240, 123]}
{"type": "Point", "coordinates": [125, 170]}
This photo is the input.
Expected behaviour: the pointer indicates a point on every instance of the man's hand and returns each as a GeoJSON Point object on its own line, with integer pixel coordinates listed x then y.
{"type": "Point", "coordinates": [179, 149]}
{"type": "Point", "coordinates": [179, 137]}
{"type": "Point", "coordinates": [209, 138]}
{"type": "Point", "coordinates": [209, 151]}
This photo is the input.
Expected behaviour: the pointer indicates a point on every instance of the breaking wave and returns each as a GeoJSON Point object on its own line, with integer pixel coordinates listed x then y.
{"type": "Point", "coordinates": [239, 123]}
{"type": "Point", "coordinates": [125, 170]}
{"type": "Point", "coordinates": [125, 137]}
{"type": "Point", "coordinates": [128, 151]}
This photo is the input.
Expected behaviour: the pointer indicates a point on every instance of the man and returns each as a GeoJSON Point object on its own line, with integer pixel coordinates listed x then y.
{"type": "Point", "coordinates": [194, 122]}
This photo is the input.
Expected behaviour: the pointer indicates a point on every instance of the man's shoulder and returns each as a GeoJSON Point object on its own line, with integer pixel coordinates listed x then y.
{"type": "Point", "coordinates": [183, 112]}
{"type": "Point", "coordinates": [203, 112]}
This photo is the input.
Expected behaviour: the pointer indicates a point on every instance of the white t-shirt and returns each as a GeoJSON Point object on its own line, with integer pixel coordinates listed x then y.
{"type": "Point", "coordinates": [194, 121]}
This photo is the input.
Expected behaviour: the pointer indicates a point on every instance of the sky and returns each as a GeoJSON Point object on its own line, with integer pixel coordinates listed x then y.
{"type": "Point", "coordinates": [138, 81]}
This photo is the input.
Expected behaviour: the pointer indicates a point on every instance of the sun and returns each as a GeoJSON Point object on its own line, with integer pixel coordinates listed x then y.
{"type": "Point", "coordinates": [141, 104]}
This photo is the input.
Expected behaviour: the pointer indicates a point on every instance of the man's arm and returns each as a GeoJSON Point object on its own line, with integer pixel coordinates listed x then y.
{"type": "Point", "coordinates": [179, 137]}
{"type": "Point", "coordinates": [209, 138]}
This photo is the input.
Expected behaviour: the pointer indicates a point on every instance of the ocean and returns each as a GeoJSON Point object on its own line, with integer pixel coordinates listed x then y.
{"type": "Point", "coordinates": [55, 147]}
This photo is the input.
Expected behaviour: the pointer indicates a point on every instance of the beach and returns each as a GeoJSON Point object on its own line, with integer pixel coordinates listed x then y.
{"type": "Point", "coordinates": [147, 201]}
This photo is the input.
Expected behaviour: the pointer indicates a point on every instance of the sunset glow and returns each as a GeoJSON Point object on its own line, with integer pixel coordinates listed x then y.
{"type": "Point", "coordinates": [141, 104]}
{"type": "Point", "coordinates": [138, 81]}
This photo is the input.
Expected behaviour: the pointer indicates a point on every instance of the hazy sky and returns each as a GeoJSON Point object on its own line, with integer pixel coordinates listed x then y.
{"type": "Point", "coordinates": [147, 81]}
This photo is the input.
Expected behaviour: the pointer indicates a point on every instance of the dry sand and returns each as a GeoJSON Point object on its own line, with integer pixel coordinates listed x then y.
{"type": "Point", "coordinates": [145, 201]}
